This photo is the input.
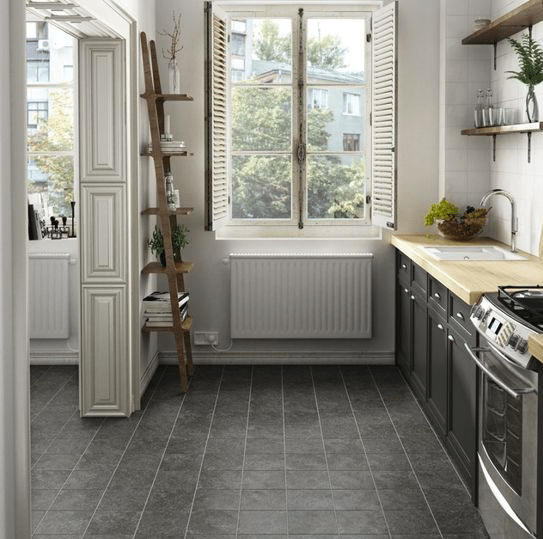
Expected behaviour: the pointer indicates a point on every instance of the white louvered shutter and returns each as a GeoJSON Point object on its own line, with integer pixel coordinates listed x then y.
{"type": "Point", "coordinates": [216, 119]}
{"type": "Point", "coordinates": [384, 81]}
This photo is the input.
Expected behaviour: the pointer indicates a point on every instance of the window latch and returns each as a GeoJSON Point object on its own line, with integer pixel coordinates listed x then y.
{"type": "Point", "coordinates": [301, 152]}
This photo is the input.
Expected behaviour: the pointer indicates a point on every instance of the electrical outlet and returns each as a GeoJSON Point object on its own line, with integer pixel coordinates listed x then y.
{"type": "Point", "coordinates": [206, 337]}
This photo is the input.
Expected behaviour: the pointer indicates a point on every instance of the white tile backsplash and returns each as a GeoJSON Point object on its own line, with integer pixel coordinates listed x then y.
{"type": "Point", "coordinates": [468, 167]}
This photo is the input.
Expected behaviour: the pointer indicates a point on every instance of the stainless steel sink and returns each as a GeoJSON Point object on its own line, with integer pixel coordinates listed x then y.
{"type": "Point", "coordinates": [471, 253]}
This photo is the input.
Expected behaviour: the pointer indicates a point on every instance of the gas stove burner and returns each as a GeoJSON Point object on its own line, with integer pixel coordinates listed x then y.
{"type": "Point", "coordinates": [526, 302]}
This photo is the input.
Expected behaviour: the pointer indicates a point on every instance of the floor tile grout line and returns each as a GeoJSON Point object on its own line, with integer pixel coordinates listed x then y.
{"type": "Point", "coordinates": [284, 446]}
{"type": "Point", "coordinates": [57, 435]}
{"type": "Point", "coordinates": [163, 453]}
{"type": "Point", "coordinates": [245, 448]}
{"type": "Point", "coordinates": [324, 448]}
{"type": "Point", "coordinates": [59, 390]}
{"type": "Point", "coordinates": [204, 453]}
{"type": "Point", "coordinates": [435, 434]}
{"type": "Point", "coordinates": [122, 454]}
{"type": "Point", "coordinates": [364, 449]}
{"type": "Point", "coordinates": [403, 447]}
{"type": "Point", "coordinates": [73, 468]}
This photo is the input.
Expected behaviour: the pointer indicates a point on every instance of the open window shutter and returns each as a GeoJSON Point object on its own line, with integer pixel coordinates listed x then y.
{"type": "Point", "coordinates": [216, 119]}
{"type": "Point", "coordinates": [384, 80]}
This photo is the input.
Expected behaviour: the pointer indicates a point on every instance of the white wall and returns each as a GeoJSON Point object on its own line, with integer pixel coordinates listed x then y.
{"type": "Point", "coordinates": [14, 409]}
{"type": "Point", "coordinates": [511, 171]}
{"type": "Point", "coordinates": [464, 165]}
{"type": "Point", "coordinates": [418, 112]}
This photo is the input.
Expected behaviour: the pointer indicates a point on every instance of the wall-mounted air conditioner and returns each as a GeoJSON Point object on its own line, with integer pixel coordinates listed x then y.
{"type": "Point", "coordinates": [43, 44]}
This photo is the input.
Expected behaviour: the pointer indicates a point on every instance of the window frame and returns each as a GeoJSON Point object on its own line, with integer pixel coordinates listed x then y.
{"type": "Point", "coordinates": [299, 98]}
{"type": "Point", "coordinates": [383, 58]}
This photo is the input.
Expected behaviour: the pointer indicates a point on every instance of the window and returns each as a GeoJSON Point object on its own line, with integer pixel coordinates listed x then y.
{"type": "Point", "coordinates": [318, 99]}
{"type": "Point", "coordinates": [37, 70]}
{"type": "Point", "coordinates": [50, 123]}
{"type": "Point", "coordinates": [288, 133]}
{"type": "Point", "coordinates": [351, 142]}
{"type": "Point", "coordinates": [37, 113]}
{"type": "Point", "coordinates": [351, 104]}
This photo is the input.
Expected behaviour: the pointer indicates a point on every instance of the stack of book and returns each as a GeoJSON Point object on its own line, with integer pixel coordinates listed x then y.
{"type": "Point", "coordinates": [157, 308]}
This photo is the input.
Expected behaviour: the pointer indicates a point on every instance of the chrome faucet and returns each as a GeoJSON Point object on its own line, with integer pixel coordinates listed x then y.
{"type": "Point", "coordinates": [514, 223]}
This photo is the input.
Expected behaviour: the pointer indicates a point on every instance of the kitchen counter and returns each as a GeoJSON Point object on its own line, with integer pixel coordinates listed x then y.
{"type": "Point", "coordinates": [471, 279]}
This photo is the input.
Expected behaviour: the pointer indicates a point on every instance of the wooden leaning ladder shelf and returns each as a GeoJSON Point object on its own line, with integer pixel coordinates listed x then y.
{"type": "Point", "coordinates": [167, 219]}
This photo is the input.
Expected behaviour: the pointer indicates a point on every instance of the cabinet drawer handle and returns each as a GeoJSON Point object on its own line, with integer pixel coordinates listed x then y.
{"type": "Point", "coordinates": [412, 297]}
{"type": "Point", "coordinates": [406, 290]}
{"type": "Point", "coordinates": [437, 295]}
{"type": "Point", "coordinates": [460, 315]}
{"type": "Point", "coordinates": [404, 266]}
{"type": "Point", "coordinates": [450, 337]}
{"type": "Point", "coordinates": [440, 326]}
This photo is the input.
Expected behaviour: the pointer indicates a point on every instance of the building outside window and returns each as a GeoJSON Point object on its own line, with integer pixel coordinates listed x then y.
{"type": "Point", "coordinates": [351, 104]}
{"type": "Point", "coordinates": [351, 142]}
{"type": "Point", "coordinates": [50, 119]}
{"type": "Point", "coordinates": [318, 98]}
{"type": "Point", "coordinates": [37, 112]}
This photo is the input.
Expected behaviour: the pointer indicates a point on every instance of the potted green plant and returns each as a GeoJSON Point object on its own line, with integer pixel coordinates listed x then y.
{"type": "Point", "coordinates": [530, 57]}
{"type": "Point", "coordinates": [179, 241]}
{"type": "Point", "coordinates": [453, 226]}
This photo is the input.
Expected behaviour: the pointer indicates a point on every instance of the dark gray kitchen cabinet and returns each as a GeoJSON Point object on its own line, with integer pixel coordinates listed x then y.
{"type": "Point", "coordinates": [419, 374]}
{"type": "Point", "coordinates": [437, 396]}
{"type": "Point", "coordinates": [432, 325]}
{"type": "Point", "coordinates": [462, 419]}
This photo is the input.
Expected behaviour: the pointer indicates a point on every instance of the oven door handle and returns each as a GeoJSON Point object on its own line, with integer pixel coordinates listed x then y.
{"type": "Point", "coordinates": [516, 393]}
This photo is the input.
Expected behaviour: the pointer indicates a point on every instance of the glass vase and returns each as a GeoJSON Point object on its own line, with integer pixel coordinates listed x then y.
{"type": "Point", "coordinates": [532, 108]}
{"type": "Point", "coordinates": [174, 77]}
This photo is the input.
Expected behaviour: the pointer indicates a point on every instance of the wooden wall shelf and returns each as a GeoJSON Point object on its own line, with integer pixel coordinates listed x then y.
{"type": "Point", "coordinates": [157, 267]}
{"type": "Point", "coordinates": [518, 19]}
{"type": "Point", "coordinates": [493, 132]}
{"type": "Point", "coordinates": [178, 211]}
{"type": "Point", "coordinates": [186, 325]}
{"type": "Point", "coordinates": [503, 129]}
{"type": "Point", "coordinates": [167, 219]}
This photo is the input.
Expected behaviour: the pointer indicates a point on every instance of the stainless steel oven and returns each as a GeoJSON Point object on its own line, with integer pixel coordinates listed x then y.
{"type": "Point", "coordinates": [508, 403]}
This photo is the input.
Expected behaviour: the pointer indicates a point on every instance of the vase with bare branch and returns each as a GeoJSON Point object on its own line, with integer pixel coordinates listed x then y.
{"type": "Point", "coordinates": [174, 72]}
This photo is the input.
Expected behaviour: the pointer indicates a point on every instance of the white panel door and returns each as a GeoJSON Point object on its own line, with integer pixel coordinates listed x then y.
{"type": "Point", "coordinates": [106, 381]}
{"type": "Point", "coordinates": [104, 234]}
{"type": "Point", "coordinates": [104, 338]}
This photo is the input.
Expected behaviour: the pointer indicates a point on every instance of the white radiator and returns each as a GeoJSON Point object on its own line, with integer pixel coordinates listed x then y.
{"type": "Point", "coordinates": [301, 296]}
{"type": "Point", "coordinates": [48, 295]}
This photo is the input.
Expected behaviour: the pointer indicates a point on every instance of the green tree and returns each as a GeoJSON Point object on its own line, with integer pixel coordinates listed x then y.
{"type": "Point", "coordinates": [56, 134]}
{"type": "Point", "coordinates": [270, 46]}
{"type": "Point", "coordinates": [326, 52]}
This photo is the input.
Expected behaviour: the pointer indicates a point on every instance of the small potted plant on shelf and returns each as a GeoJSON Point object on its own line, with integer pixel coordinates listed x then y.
{"type": "Point", "coordinates": [530, 58]}
{"type": "Point", "coordinates": [453, 226]}
{"type": "Point", "coordinates": [179, 241]}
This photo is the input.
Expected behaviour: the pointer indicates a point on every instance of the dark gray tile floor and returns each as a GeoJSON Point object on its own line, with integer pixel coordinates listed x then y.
{"type": "Point", "coordinates": [249, 452]}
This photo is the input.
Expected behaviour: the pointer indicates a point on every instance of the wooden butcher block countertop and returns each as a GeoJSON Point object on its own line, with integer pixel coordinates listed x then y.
{"type": "Point", "coordinates": [470, 279]}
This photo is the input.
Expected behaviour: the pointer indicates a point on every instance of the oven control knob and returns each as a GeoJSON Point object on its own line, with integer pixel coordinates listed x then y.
{"type": "Point", "coordinates": [478, 312]}
{"type": "Point", "coordinates": [518, 343]}
{"type": "Point", "coordinates": [522, 346]}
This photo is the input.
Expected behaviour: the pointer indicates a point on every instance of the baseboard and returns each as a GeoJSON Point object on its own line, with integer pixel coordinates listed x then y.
{"type": "Point", "coordinates": [259, 357]}
{"type": "Point", "coordinates": [148, 373]}
{"type": "Point", "coordinates": [54, 358]}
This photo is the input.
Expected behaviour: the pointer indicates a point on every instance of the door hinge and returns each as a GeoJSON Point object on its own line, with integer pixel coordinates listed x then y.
{"type": "Point", "coordinates": [368, 38]}
{"type": "Point", "coordinates": [371, 119]}
{"type": "Point", "coordinates": [368, 199]}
